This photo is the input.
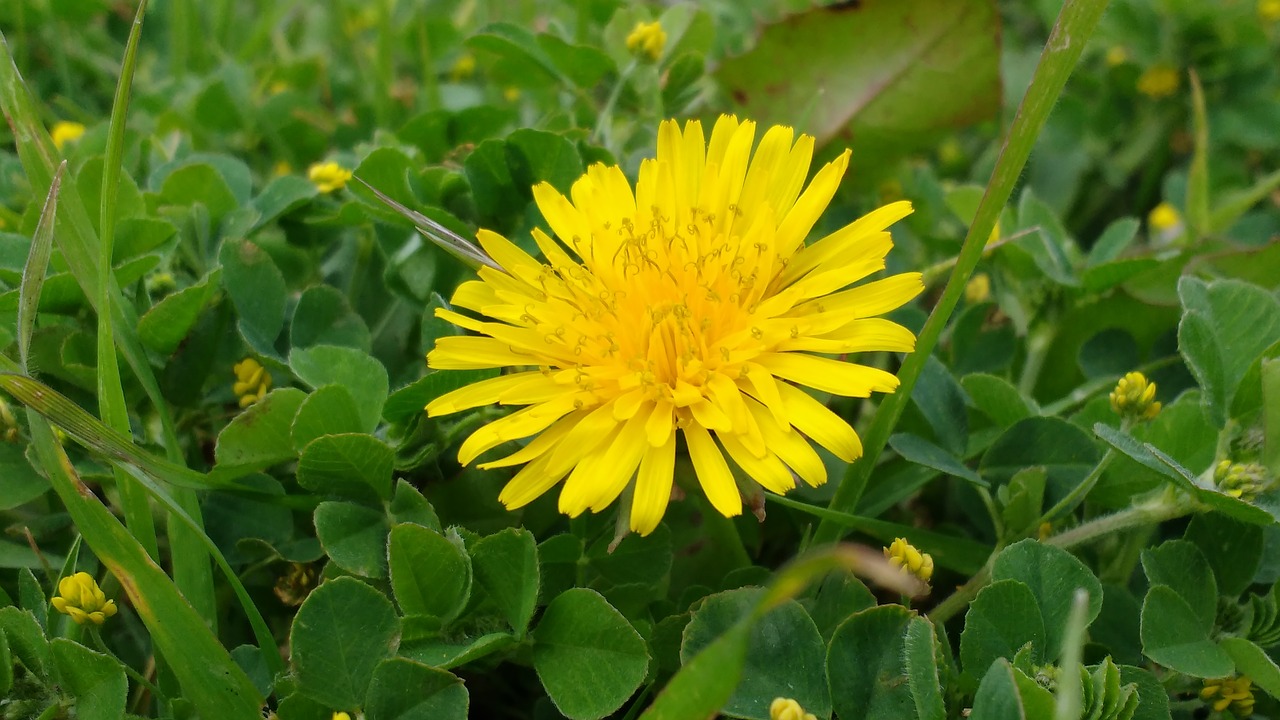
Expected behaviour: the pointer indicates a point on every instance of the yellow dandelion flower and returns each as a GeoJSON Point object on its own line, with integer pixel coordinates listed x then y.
{"type": "Point", "coordinates": [647, 40]}
{"type": "Point", "coordinates": [904, 555]}
{"type": "Point", "coordinates": [1269, 10]}
{"type": "Point", "coordinates": [978, 290]}
{"type": "Point", "coordinates": [1117, 55]}
{"type": "Point", "coordinates": [1135, 397]}
{"type": "Point", "coordinates": [688, 305]}
{"type": "Point", "coordinates": [252, 381]}
{"type": "Point", "coordinates": [1159, 81]}
{"type": "Point", "coordinates": [64, 132]}
{"type": "Point", "coordinates": [341, 716]}
{"type": "Point", "coordinates": [1164, 217]}
{"type": "Point", "coordinates": [80, 597]}
{"type": "Point", "coordinates": [329, 176]}
{"type": "Point", "coordinates": [788, 709]}
{"type": "Point", "coordinates": [511, 93]}
{"type": "Point", "coordinates": [1234, 695]}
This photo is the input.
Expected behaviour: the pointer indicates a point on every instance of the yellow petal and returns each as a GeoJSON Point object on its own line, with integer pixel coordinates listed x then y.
{"type": "Point", "coordinates": [818, 422]}
{"type": "Point", "coordinates": [713, 472]}
{"type": "Point", "coordinates": [653, 485]}
{"type": "Point", "coordinates": [484, 392]}
{"type": "Point", "coordinates": [519, 424]}
{"type": "Point", "coordinates": [512, 259]}
{"type": "Point", "coordinates": [475, 353]}
{"type": "Point", "coordinates": [658, 426]}
{"type": "Point", "coordinates": [532, 480]}
{"type": "Point", "coordinates": [866, 335]}
{"type": "Point", "coordinates": [869, 300]}
{"type": "Point", "coordinates": [802, 217]}
{"type": "Point", "coordinates": [768, 471]}
{"type": "Point", "coordinates": [832, 276]}
{"type": "Point", "coordinates": [546, 440]}
{"type": "Point", "coordinates": [791, 447]}
{"type": "Point", "coordinates": [845, 243]}
{"type": "Point", "coordinates": [832, 376]}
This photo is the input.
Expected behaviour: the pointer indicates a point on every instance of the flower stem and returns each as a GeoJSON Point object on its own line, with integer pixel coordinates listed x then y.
{"type": "Point", "coordinates": [1070, 34]}
{"type": "Point", "coordinates": [137, 676]}
{"type": "Point", "coordinates": [1166, 508]}
{"type": "Point", "coordinates": [606, 113]}
{"type": "Point", "coordinates": [1078, 493]}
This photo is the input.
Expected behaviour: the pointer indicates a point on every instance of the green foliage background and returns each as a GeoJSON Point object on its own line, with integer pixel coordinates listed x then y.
{"type": "Point", "coordinates": [322, 551]}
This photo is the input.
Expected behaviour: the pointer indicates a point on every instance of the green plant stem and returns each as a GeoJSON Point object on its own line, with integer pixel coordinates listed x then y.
{"type": "Point", "coordinates": [1166, 508]}
{"type": "Point", "coordinates": [1070, 34]}
{"type": "Point", "coordinates": [1079, 492]}
{"type": "Point", "coordinates": [137, 676]}
{"type": "Point", "coordinates": [1037, 352]}
{"type": "Point", "coordinates": [606, 113]}
{"type": "Point", "coordinates": [111, 402]}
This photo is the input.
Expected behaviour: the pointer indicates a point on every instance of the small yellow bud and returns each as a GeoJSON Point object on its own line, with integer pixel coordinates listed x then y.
{"type": "Point", "coordinates": [64, 132]}
{"type": "Point", "coordinates": [341, 716]}
{"type": "Point", "coordinates": [647, 40]}
{"type": "Point", "coordinates": [1234, 694]}
{"type": "Point", "coordinates": [1164, 217]}
{"type": "Point", "coordinates": [329, 176]}
{"type": "Point", "coordinates": [1159, 81]}
{"type": "Point", "coordinates": [1269, 10]}
{"type": "Point", "coordinates": [995, 233]}
{"type": "Point", "coordinates": [80, 597]}
{"type": "Point", "coordinates": [978, 290]}
{"type": "Point", "coordinates": [788, 709]}
{"type": "Point", "coordinates": [1134, 397]}
{"type": "Point", "coordinates": [1241, 480]}
{"type": "Point", "coordinates": [252, 381]}
{"type": "Point", "coordinates": [296, 584]}
{"type": "Point", "coordinates": [1117, 55]}
{"type": "Point", "coordinates": [281, 168]}
{"type": "Point", "coordinates": [464, 67]}
{"type": "Point", "coordinates": [904, 555]}
{"type": "Point", "coordinates": [511, 93]}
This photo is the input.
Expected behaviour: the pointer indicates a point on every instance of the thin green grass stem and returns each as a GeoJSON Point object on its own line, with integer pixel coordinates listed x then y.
{"type": "Point", "coordinates": [1075, 25]}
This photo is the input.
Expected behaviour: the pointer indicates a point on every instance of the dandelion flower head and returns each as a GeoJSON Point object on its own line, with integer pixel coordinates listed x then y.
{"type": "Point", "coordinates": [688, 306]}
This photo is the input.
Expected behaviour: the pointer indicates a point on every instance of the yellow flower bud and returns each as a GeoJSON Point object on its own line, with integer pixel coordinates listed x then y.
{"type": "Point", "coordinates": [329, 176]}
{"type": "Point", "coordinates": [904, 555]}
{"type": "Point", "coordinates": [1134, 397]}
{"type": "Point", "coordinates": [252, 381]}
{"type": "Point", "coordinates": [1159, 81]}
{"type": "Point", "coordinates": [341, 716]}
{"type": "Point", "coordinates": [1164, 217]}
{"type": "Point", "coordinates": [1269, 10]}
{"type": "Point", "coordinates": [978, 290]}
{"type": "Point", "coordinates": [647, 40]}
{"type": "Point", "coordinates": [788, 709]}
{"type": "Point", "coordinates": [1117, 56]}
{"type": "Point", "coordinates": [281, 168]}
{"type": "Point", "coordinates": [464, 67]}
{"type": "Point", "coordinates": [511, 93]}
{"type": "Point", "coordinates": [1241, 480]}
{"type": "Point", "coordinates": [80, 597]}
{"type": "Point", "coordinates": [1234, 694]}
{"type": "Point", "coordinates": [64, 132]}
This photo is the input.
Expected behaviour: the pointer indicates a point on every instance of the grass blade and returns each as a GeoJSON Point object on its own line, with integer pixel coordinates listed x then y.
{"type": "Point", "coordinates": [191, 569]}
{"type": "Point", "coordinates": [210, 679]}
{"type": "Point", "coordinates": [448, 240]}
{"type": "Point", "coordinates": [148, 473]}
{"type": "Point", "coordinates": [37, 264]}
{"type": "Point", "coordinates": [1071, 33]}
